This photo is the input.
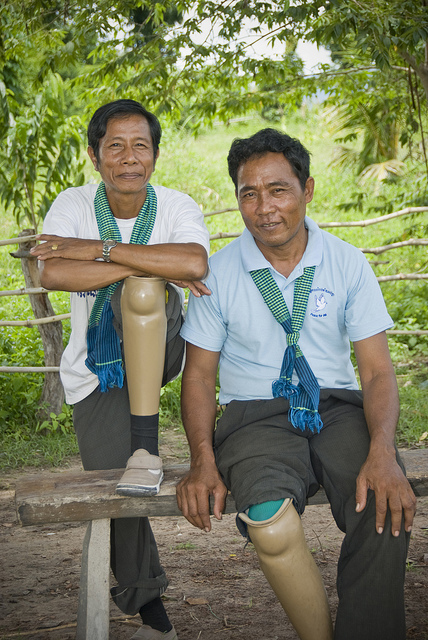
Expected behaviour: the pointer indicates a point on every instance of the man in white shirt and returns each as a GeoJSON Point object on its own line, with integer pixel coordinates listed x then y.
{"type": "Point", "coordinates": [94, 237]}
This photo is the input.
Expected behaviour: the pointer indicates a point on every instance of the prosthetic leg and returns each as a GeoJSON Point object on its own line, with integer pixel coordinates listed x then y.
{"type": "Point", "coordinates": [144, 338]}
{"type": "Point", "coordinates": [291, 571]}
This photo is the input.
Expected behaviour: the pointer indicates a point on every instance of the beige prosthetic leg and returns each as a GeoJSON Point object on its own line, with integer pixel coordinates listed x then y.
{"type": "Point", "coordinates": [144, 337]}
{"type": "Point", "coordinates": [291, 571]}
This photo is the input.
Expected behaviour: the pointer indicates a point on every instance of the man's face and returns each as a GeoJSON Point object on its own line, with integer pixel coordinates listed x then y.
{"type": "Point", "coordinates": [272, 202]}
{"type": "Point", "coordinates": [126, 160]}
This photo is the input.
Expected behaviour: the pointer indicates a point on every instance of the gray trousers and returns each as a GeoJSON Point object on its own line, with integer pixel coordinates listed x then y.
{"type": "Point", "coordinates": [103, 429]}
{"type": "Point", "coordinates": [262, 457]}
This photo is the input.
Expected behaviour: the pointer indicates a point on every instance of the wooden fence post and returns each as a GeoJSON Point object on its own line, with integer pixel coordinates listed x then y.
{"type": "Point", "coordinates": [52, 397]}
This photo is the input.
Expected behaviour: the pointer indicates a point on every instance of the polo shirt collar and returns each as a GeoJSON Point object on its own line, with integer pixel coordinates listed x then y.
{"type": "Point", "coordinates": [252, 257]}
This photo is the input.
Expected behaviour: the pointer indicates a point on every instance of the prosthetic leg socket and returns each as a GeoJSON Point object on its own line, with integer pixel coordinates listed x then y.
{"type": "Point", "coordinates": [291, 571]}
{"type": "Point", "coordinates": [144, 337]}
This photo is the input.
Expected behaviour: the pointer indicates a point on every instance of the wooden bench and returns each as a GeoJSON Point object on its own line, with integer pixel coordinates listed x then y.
{"type": "Point", "coordinates": [73, 496]}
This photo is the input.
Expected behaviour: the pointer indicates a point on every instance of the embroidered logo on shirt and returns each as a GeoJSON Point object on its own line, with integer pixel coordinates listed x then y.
{"type": "Point", "coordinates": [319, 301]}
{"type": "Point", "coordinates": [87, 294]}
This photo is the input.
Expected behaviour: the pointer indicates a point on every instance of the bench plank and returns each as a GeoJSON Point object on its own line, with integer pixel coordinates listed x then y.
{"type": "Point", "coordinates": [73, 496]}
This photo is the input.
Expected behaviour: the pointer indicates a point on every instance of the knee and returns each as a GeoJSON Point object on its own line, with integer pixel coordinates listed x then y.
{"type": "Point", "coordinates": [278, 534]}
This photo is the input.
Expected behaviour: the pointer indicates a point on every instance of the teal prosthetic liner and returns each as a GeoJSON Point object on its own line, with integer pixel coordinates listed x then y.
{"type": "Point", "coordinates": [104, 354]}
{"type": "Point", "coordinates": [303, 398]}
{"type": "Point", "coordinates": [265, 510]}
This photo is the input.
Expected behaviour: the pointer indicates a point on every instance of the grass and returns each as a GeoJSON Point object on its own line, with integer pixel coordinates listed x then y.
{"type": "Point", "coordinates": [197, 166]}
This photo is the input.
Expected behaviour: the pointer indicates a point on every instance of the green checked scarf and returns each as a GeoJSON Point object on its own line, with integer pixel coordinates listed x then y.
{"type": "Point", "coordinates": [303, 398]}
{"type": "Point", "coordinates": [104, 353]}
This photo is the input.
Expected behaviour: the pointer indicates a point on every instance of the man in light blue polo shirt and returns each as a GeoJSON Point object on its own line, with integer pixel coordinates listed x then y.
{"type": "Point", "coordinates": [286, 301]}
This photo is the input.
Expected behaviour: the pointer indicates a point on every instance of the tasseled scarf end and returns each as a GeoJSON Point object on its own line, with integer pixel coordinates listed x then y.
{"type": "Point", "coordinates": [111, 376]}
{"type": "Point", "coordinates": [283, 388]}
{"type": "Point", "coordinates": [304, 418]}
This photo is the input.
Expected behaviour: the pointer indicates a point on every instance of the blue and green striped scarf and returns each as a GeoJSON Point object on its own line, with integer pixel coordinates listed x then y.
{"type": "Point", "coordinates": [303, 398]}
{"type": "Point", "coordinates": [104, 353]}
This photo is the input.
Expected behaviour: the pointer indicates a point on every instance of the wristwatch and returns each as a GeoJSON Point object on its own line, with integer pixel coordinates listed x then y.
{"type": "Point", "coordinates": [107, 247]}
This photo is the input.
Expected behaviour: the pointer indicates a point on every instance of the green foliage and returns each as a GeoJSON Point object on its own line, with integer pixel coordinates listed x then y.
{"type": "Point", "coordinates": [169, 410]}
{"type": "Point", "coordinates": [20, 442]}
{"type": "Point", "coordinates": [62, 422]}
{"type": "Point", "coordinates": [412, 377]}
{"type": "Point", "coordinates": [155, 52]}
{"type": "Point", "coordinates": [41, 155]}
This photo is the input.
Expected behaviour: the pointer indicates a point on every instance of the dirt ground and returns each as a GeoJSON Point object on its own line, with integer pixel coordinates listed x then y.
{"type": "Point", "coordinates": [216, 587]}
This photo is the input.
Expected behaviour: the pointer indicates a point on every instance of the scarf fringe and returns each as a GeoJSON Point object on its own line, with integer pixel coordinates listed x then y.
{"type": "Point", "coordinates": [305, 419]}
{"type": "Point", "coordinates": [283, 387]}
{"type": "Point", "coordinates": [109, 373]}
{"type": "Point", "coordinates": [111, 376]}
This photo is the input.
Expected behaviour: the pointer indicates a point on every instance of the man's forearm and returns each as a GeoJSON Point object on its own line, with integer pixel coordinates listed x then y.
{"type": "Point", "coordinates": [382, 410]}
{"type": "Point", "coordinates": [181, 261]}
{"type": "Point", "coordinates": [199, 409]}
{"type": "Point", "coordinates": [82, 275]}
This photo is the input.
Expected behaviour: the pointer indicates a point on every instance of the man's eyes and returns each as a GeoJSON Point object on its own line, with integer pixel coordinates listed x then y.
{"type": "Point", "coordinates": [118, 145]}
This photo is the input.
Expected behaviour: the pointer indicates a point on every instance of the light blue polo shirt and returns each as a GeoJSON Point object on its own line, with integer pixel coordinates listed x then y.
{"type": "Point", "coordinates": [345, 304]}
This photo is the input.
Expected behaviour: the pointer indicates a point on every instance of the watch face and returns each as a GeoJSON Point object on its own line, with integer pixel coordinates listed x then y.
{"type": "Point", "coordinates": [110, 243]}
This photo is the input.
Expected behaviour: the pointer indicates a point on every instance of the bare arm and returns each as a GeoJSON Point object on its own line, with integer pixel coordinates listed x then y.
{"type": "Point", "coordinates": [81, 275]}
{"type": "Point", "coordinates": [381, 471]}
{"type": "Point", "coordinates": [72, 264]}
{"type": "Point", "coordinates": [199, 413]}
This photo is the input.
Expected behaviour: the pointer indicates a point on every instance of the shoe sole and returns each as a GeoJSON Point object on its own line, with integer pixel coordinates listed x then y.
{"type": "Point", "coordinates": [137, 490]}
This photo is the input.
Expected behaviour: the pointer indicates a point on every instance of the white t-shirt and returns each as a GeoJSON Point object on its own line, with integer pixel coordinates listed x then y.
{"type": "Point", "coordinates": [345, 304]}
{"type": "Point", "coordinates": [178, 219]}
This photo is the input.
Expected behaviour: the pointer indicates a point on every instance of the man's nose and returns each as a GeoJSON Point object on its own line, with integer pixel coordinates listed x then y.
{"type": "Point", "coordinates": [265, 204]}
{"type": "Point", "coordinates": [129, 155]}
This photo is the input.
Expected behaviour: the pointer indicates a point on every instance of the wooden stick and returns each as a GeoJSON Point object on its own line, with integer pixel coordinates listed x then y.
{"type": "Point", "coordinates": [413, 242]}
{"type": "Point", "coordinates": [69, 625]}
{"type": "Point", "coordinates": [24, 291]}
{"type": "Point", "coordinates": [29, 369]}
{"type": "Point", "coordinates": [35, 321]}
{"type": "Point", "coordinates": [403, 276]}
{"type": "Point", "coordinates": [17, 240]}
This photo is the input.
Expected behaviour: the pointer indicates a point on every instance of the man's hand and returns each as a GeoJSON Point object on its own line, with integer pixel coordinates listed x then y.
{"type": "Point", "coordinates": [197, 287]}
{"type": "Point", "coordinates": [194, 491]}
{"type": "Point", "coordinates": [383, 475]}
{"type": "Point", "coordinates": [70, 248]}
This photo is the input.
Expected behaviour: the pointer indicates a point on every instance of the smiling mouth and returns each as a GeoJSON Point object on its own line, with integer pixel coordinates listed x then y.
{"type": "Point", "coordinates": [128, 176]}
{"type": "Point", "coordinates": [269, 225]}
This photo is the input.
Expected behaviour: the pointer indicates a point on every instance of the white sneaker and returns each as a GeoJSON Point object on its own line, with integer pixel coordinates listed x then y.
{"type": "Point", "coordinates": [143, 475]}
{"type": "Point", "coordinates": [147, 633]}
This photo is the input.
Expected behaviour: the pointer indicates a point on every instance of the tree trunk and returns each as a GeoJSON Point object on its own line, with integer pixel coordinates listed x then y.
{"type": "Point", "coordinates": [52, 397]}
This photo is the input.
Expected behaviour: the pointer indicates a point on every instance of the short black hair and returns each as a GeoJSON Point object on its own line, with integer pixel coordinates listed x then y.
{"type": "Point", "coordinates": [263, 142]}
{"type": "Point", "coordinates": [121, 109]}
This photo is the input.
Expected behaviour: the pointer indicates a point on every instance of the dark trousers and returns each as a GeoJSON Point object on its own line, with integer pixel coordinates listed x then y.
{"type": "Point", "coordinates": [262, 457]}
{"type": "Point", "coordinates": [103, 429]}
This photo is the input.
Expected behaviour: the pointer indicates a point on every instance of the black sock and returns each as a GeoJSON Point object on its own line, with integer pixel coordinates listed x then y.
{"type": "Point", "coordinates": [144, 433]}
{"type": "Point", "coordinates": [153, 614]}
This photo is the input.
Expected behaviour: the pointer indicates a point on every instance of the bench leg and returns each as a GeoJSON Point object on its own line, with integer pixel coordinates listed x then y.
{"type": "Point", "coordinates": [93, 615]}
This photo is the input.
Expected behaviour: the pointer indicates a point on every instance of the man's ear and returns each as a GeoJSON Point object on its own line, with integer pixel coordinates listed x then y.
{"type": "Point", "coordinates": [93, 158]}
{"type": "Point", "coordinates": [156, 158]}
{"type": "Point", "coordinates": [309, 189]}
